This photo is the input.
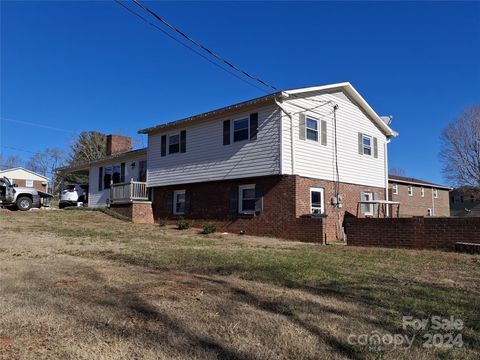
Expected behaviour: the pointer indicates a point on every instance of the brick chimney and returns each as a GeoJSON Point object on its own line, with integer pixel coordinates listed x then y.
{"type": "Point", "coordinates": [118, 144]}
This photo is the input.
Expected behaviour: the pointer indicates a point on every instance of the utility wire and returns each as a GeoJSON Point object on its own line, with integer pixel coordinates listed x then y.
{"type": "Point", "coordinates": [188, 47]}
{"type": "Point", "coordinates": [203, 47]}
{"type": "Point", "coordinates": [38, 125]}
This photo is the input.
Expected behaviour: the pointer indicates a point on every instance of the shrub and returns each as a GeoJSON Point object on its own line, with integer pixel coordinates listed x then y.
{"type": "Point", "coordinates": [163, 222]}
{"type": "Point", "coordinates": [209, 228]}
{"type": "Point", "coordinates": [183, 224]}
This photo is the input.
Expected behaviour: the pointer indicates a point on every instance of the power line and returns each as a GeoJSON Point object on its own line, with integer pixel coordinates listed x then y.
{"type": "Point", "coordinates": [38, 125]}
{"type": "Point", "coordinates": [236, 68]}
{"type": "Point", "coordinates": [188, 47]}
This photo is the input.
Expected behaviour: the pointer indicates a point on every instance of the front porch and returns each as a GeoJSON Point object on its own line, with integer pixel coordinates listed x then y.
{"type": "Point", "coordinates": [128, 192]}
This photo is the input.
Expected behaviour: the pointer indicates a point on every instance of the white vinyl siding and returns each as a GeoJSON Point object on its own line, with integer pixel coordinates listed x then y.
{"type": "Point", "coordinates": [99, 198]}
{"type": "Point", "coordinates": [311, 159]}
{"type": "Point", "coordinates": [207, 159]}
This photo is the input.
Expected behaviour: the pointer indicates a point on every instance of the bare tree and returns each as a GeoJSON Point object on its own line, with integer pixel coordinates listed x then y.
{"type": "Point", "coordinates": [396, 171]}
{"type": "Point", "coordinates": [10, 162]}
{"type": "Point", "coordinates": [45, 162]}
{"type": "Point", "coordinates": [460, 148]}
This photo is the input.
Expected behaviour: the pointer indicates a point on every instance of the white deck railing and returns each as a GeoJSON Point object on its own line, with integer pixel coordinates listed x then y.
{"type": "Point", "coordinates": [128, 192]}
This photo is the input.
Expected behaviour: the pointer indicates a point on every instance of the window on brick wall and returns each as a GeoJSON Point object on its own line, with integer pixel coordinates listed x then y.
{"type": "Point", "coordinates": [435, 193]}
{"type": "Point", "coordinates": [395, 189]}
{"type": "Point", "coordinates": [367, 209]}
{"type": "Point", "coordinates": [429, 212]}
{"type": "Point", "coordinates": [179, 202]}
{"type": "Point", "coordinates": [246, 199]}
{"type": "Point", "coordinates": [316, 201]}
{"type": "Point", "coordinates": [422, 192]}
{"type": "Point", "coordinates": [410, 190]}
{"type": "Point", "coordinates": [29, 183]}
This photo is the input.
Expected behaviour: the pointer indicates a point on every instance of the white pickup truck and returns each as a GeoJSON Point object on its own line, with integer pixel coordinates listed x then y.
{"type": "Point", "coordinates": [23, 198]}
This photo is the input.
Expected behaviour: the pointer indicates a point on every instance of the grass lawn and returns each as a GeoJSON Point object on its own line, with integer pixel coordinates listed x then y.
{"type": "Point", "coordinates": [83, 285]}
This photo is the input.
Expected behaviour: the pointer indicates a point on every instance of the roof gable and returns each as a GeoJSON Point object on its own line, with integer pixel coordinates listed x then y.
{"type": "Point", "coordinates": [28, 174]}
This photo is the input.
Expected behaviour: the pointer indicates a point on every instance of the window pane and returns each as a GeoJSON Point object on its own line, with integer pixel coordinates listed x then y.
{"type": "Point", "coordinates": [366, 141]}
{"type": "Point", "coordinates": [180, 203]}
{"type": "Point", "coordinates": [107, 177]}
{"type": "Point", "coordinates": [240, 130]}
{"type": "Point", "coordinates": [248, 194]}
{"type": "Point", "coordinates": [312, 124]}
{"type": "Point", "coordinates": [240, 135]}
{"type": "Point", "coordinates": [312, 135]}
{"type": "Point", "coordinates": [116, 174]}
{"type": "Point", "coordinates": [240, 124]}
{"type": "Point", "coordinates": [367, 150]}
{"type": "Point", "coordinates": [248, 205]}
{"type": "Point", "coordinates": [316, 199]}
{"type": "Point", "coordinates": [174, 144]}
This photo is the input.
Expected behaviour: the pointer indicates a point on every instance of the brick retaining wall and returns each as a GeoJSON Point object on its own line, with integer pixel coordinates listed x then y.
{"type": "Point", "coordinates": [138, 212]}
{"type": "Point", "coordinates": [414, 233]}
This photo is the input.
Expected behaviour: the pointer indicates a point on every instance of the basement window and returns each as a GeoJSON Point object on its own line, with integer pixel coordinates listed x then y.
{"type": "Point", "coordinates": [316, 201]}
{"type": "Point", "coordinates": [179, 202]}
{"type": "Point", "coordinates": [246, 199]}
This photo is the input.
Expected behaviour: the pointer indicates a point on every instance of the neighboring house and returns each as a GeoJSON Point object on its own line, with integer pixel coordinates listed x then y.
{"type": "Point", "coordinates": [289, 164]}
{"type": "Point", "coordinates": [419, 197]}
{"type": "Point", "coordinates": [121, 167]}
{"type": "Point", "coordinates": [465, 201]}
{"type": "Point", "coordinates": [23, 177]}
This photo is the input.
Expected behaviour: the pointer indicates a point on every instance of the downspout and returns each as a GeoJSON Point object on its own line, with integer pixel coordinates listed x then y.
{"type": "Point", "coordinates": [387, 209]}
{"type": "Point", "coordinates": [292, 153]}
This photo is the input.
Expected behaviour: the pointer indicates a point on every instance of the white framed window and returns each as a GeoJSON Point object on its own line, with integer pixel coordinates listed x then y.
{"type": "Point", "coordinates": [435, 193]}
{"type": "Point", "coordinates": [410, 190]}
{"type": "Point", "coordinates": [246, 199]}
{"type": "Point", "coordinates": [395, 189]}
{"type": "Point", "coordinates": [367, 144]}
{"type": "Point", "coordinates": [429, 212]}
{"type": "Point", "coordinates": [367, 209]}
{"type": "Point", "coordinates": [311, 126]}
{"type": "Point", "coordinates": [174, 143]}
{"type": "Point", "coordinates": [241, 129]}
{"type": "Point", "coordinates": [29, 183]}
{"type": "Point", "coordinates": [422, 192]}
{"type": "Point", "coordinates": [179, 202]}
{"type": "Point", "coordinates": [317, 206]}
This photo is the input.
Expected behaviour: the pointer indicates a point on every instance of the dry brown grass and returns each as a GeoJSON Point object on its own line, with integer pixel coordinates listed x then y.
{"type": "Point", "coordinates": [81, 285]}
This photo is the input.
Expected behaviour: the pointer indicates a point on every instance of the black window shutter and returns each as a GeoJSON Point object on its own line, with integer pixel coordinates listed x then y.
{"type": "Point", "coordinates": [170, 203]}
{"type": "Point", "coordinates": [226, 132]}
{"type": "Point", "coordinates": [100, 178]}
{"type": "Point", "coordinates": [183, 141]}
{"type": "Point", "coordinates": [163, 145]}
{"type": "Point", "coordinates": [253, 126]}
{"type": "Point", "coordinates": [122, 172]}
{"type": "Point", "coordinates": [258, 198]}
{"type": "Point", "coordinates": [188, 201]}
{"type": "Point", "coordinates": [234, 200]}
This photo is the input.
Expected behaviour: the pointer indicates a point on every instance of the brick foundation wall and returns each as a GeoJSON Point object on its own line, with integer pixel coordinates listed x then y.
{"type": "Point", "coordinates": [286, 206]}
{"type": "Point", "coordinates": [351, 197]}
{"type": "Point", "coordinates": [138, 212]}
{"type": "Point", "coordinates": [414, 233]}
{"type": "Point", "coordinates": [417, 205]}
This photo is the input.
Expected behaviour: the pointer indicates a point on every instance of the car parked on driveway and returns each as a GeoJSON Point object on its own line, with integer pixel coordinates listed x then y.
{"type": "Point", "coordinates": [72, 195]}
{"type": "Point", "coordinates": [23, 198]}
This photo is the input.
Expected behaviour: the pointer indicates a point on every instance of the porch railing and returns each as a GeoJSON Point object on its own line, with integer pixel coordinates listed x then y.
{"type": "Point", "coordinates": [128, 192]}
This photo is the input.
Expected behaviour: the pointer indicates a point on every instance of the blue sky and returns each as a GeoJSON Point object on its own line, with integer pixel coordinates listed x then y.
{"type": "Point", "coordinates": [93, 66]}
